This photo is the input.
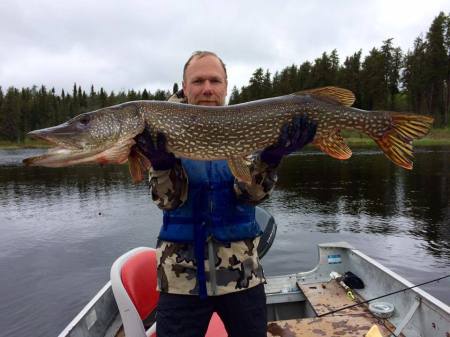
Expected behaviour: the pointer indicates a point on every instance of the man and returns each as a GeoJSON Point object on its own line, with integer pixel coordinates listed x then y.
{"type": "Point", "coordinates": [210, 217]}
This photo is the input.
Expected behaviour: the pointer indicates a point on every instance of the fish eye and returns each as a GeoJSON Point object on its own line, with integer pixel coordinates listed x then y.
{"type": "Point", "coordinates": [85, 120]}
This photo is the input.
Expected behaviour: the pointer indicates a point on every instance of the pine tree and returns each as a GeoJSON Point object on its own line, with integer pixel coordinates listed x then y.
{"type": "Point", "coordinates": [235, 96]}
{"type": "Point", "coordinates": [256, 85]}
{"type": "Point", "coordinates": [10, 115]}
{"type": "Point", "coordinates": [392, 59]}
{"type": "Point", "coordinates": [175, 88]}
{"type": "Point", "coordinates": [447, 47]}
{"type": "Point", "coordinates": [304, 76]}
{"type": "Point", "coordinates": [437, 67]}
{"type": "Point", "coordinates": [267, 85]}
{"type": "Point", "coordinates": [373, 81]}
{"type": "Point", "coordinates": [350, 76]}
{"type": "Point", "coordinates": [145, 95]}
{"type": "Point", "coordinates": [413, 78]}
{"type": "Point", "coordinates": [103, 98]}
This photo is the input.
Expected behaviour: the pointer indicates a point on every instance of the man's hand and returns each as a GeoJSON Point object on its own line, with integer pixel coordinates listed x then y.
{"type": "Point", "coordinates": [156, 152]}
{"type": "Point", "coordinates": [294, 136]}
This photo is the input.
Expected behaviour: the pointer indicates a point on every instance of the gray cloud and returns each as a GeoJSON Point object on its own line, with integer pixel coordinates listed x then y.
{"type": "Point", "coordinates": [144, 44]}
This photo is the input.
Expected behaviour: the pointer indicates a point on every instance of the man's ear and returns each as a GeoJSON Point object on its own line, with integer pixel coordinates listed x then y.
{"type": "Point", "coordinates": [183, 85]}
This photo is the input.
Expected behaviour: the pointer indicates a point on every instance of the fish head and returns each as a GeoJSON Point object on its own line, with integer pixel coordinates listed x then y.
{"type": "Point", "coordinates": [102, 136]}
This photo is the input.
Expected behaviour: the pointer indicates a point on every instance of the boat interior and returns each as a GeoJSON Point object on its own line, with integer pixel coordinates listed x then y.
{"type": "Point", "coordinates": [311, 303]}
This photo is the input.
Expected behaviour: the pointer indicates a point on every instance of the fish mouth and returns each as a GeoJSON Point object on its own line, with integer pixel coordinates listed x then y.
{"type": "Point", "coordinates": [60, 136]}
{"type": "Point", "coordinates": [62, 156]}
{"type": "Point", "coordinates": [66, 148]}
{"type": "Point", "coordinates": [54, 157]}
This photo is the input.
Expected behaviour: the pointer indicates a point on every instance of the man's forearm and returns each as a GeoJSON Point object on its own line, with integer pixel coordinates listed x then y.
{"type": "Point", "coordinates": [264, 178]}
{"type": "Point", "coordinates": [169, 187]}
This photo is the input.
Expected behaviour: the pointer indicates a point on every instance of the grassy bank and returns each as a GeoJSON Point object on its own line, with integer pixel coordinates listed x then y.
{"type": "Point", "coordinates": [435, 137]}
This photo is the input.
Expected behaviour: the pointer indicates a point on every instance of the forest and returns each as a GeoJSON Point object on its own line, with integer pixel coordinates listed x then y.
{"type": "Point", "coordinates": [387, 78]}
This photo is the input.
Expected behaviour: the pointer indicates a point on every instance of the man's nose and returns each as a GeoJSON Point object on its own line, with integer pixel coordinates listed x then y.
{"type": "Point", "coordinates": [207, 88]}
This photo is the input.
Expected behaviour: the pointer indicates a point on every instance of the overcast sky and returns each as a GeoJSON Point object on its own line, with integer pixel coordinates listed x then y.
{"type": "Point", "coordinates": [121, 45]}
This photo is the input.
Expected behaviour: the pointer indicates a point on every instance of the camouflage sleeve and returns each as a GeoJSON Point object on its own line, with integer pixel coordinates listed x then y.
{"type": "Point", "coordinates": [263, 182]}
{"type": "Point", "coordinates": [169, 187]}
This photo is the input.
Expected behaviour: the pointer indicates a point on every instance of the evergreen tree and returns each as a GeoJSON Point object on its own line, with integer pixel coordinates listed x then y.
{"type": "Point", "coordinates": [437, 69]}
{"type": "Point", "coordinates": [350, 76]}
{"type": "Point", "coordinates": [256, 84]}
{"type": "Point", "coordinates": [175, 88]}
{"type": "Point", "coordinates": [334, 60]}
{"type": "Point", "coordinates": [235, 96]}
{"type": "Point", "coordinates": [322, 72]}
{"type": "Point", "coordinates": [93, 99]}
{"type": "Point", "coordinates": [267, 85]}
{"type": "Point", "coordinates": [373, 81]}
{"type": "Point", "coordinates": [413, 78]}
{"type": "Point", "coordinates": [11, 115]}
{"type": "Point", "coordinates": [74, 107]}
{"type": "Point", "coordinates": [392, 59]}
{"type": "Point", "coordinates": [145, 95]}
{"type": "Point", "coordinates": [447, 83]}
{"type": "Point", "coordinates": [161, 95]}
{"type": "Point", "coordinates": [304, 76]}
{"type": "Point", "coordinates": [132, 95]}
{"type": "Point", "coordinates": [103, 98]}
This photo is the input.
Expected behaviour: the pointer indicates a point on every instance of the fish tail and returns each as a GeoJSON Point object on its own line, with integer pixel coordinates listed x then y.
{"type": "Point", "coordinates": [396, 142]}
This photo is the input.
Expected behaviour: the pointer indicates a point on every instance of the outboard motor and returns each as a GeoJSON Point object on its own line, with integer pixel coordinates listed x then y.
{"type": "Point", "coordinates": [269, 228]}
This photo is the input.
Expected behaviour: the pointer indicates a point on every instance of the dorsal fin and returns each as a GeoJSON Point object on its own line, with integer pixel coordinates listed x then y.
{"type": "Point", "coordinates": [340, 95]}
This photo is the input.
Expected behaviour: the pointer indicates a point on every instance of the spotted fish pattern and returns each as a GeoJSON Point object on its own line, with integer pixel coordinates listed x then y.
{"type": "Point", "coordinates": [227, 132]}
{"type": "Point", "coordinates": [199, 132]}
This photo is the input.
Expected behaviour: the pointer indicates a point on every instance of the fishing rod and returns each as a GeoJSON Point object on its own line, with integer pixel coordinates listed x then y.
{"type": "Point", "coordinates": [376, 298]}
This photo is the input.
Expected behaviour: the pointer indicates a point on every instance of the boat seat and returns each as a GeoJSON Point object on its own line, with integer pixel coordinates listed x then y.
{"type": "Point", "coordinates": [325, 297]}
{"type": "Point", "coordinates": [133, 281]}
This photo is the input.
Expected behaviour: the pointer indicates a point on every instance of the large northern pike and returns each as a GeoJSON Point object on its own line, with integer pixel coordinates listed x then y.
{"type": "Point", "coordinates": [228, 132]}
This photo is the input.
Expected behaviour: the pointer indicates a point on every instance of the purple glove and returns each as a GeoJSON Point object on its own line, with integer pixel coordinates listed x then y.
{"type": "Point", "coordinates": [156, 153]}
{"type": "Point", "coordinates": [294, 136]}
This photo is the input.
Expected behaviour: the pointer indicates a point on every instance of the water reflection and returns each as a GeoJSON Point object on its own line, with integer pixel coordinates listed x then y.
{"type": "Point", "coordinates": [61, 229]}
{"type": "Point", "coordinates": [368, 194]}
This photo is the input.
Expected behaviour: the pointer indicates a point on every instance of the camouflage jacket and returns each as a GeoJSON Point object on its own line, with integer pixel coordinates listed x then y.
{"type": "Point", "coordinates": [229, 267]}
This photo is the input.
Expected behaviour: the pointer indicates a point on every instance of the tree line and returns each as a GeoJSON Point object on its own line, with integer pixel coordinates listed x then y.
{"type": "Point", "coordinates": [33, 108]}
{"type": "Point", "coordinates": [386, 79]}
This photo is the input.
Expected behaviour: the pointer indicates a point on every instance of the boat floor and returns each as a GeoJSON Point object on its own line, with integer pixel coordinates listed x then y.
{"type": "Point", "coordinates": [324, 298]}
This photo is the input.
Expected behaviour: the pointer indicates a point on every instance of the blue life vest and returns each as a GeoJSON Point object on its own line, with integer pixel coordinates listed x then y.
{"type": "Point", "coordinates": [211, 209]}
{"type": "Point", "coordinates": [212, 204]}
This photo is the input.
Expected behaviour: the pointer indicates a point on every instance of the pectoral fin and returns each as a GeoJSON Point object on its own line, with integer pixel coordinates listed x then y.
{"type": "Point", "coordinates": [334, 145]}
{"type": "Point", "coordinates": [138, 165]}
{"type": "Point", "coordinates": [240, 168]}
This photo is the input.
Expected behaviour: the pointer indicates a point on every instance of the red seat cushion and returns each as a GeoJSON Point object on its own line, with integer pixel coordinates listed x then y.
{"type": "Point", "coordinates": [139, 279]}
{"type": "Point", "coordinates": [216, 327]}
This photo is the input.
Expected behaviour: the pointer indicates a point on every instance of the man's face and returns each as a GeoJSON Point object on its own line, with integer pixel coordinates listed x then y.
{"type": "Point", "coordinates": [205, 82]}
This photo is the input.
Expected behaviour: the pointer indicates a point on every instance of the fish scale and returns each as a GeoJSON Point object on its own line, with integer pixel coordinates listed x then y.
{"type": "Point", "coordinates": [228, 132]}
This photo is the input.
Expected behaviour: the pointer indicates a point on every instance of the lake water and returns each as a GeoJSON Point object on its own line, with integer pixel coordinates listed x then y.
{"type": "Point", "coordinates": [61, 229]}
